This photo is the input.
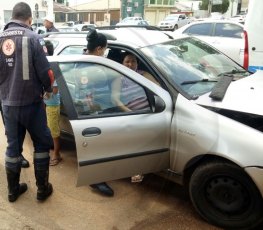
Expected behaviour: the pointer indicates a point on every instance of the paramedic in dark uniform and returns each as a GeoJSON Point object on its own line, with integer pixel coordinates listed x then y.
{"type": "Point", "coordinates": [25, 75]}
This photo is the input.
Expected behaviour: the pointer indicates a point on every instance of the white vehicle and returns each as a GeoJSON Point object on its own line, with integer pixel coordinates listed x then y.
{"type": "Point", "coordinates": [253, 35]}
{"type": "Point", "coordinates": [240, 18]}
{"type": "Point", "coordinates": [173, 22]}
{"type": "Point", "coordinates": [224, 35]}
{"type": "Point", "coordinates": [132, 21]}
{"type": "Point", "coordinates": [84, 27]}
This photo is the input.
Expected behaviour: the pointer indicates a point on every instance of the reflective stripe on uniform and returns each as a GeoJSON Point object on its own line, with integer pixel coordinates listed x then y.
{"type": "Point", "coordinates": [12, 159]}
{"type": "Point", "coordinates": [25, 58]}
{"type": "Point", "coordinates": [41, 155]}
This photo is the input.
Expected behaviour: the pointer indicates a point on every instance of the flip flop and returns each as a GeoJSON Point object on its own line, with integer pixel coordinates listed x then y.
{"type": "Point", "coordinates": [55, 161]}
{"type": "Point", "coordinates": [137, 178]}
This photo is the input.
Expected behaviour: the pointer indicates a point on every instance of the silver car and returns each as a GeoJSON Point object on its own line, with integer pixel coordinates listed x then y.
{"type": "Point", "coordinates": [202, 127]}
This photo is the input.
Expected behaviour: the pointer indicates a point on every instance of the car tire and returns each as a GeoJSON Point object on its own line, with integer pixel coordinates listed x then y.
{"type": "Point", "coordinates": [175, 27]}
{"type": "Point", "coordinates": [224, 195]}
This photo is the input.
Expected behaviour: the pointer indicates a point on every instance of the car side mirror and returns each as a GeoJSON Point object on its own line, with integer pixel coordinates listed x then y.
{"type": "Point", "coordinates": [159, 104]}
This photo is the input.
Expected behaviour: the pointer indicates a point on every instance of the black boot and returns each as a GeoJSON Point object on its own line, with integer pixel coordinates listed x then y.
{"type": "Point", "coordinates": [103, 188]}
{"type": "Point", "coordinates": [14, 188]}
{"type": "Point", "coordinates": [25, 163]}
{"type": "Point", "coordinates": [44, 188]}
{"type": "Point", "coordinates": [44, 192]}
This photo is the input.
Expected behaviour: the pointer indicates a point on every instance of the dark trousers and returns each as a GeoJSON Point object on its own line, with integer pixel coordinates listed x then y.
{"type": "Point", "coordinates": [18, 120]}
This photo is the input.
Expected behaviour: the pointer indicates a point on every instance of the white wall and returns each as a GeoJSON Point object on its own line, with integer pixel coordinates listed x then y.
{"type": "Point", "coordinates": [231, 9]}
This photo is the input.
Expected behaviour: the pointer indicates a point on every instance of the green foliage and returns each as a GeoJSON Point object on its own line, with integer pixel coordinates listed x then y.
{"type": "Point", "coordinates": [215, 8]}
{"type": "Point", "coordinates": [204, 5]}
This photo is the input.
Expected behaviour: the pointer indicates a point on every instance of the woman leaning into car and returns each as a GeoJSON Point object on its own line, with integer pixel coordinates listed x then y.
{"type": "Point", "coordinates": [97, 44]}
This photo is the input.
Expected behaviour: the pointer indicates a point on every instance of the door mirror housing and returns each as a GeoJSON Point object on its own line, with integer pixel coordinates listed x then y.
{"type": "Point", "coordinates": [159, 104]}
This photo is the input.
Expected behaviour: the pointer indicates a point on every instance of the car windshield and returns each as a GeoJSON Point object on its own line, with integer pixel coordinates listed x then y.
{"type": "Point", "coordinates": [192, 65]}
{"type": "Point", "coordinates": [172, 17]}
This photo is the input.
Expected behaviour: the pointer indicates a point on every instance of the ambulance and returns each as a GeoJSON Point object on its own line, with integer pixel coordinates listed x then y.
{"type": "Point", "coordinates": [253, 36]}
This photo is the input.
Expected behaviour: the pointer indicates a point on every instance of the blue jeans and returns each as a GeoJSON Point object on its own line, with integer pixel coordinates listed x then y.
{"type": "Point", "coordinates": [18, 120]}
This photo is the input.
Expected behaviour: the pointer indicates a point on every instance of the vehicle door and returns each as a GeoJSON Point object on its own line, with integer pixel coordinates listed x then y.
{"type": "Point", "coordinates": [227, 37]}
{"type": "Point", "coordinates": [112, 143]}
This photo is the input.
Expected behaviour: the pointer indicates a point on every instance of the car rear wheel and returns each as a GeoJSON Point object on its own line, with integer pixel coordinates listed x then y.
{"type": "Point", "coordinates": [225, 196]}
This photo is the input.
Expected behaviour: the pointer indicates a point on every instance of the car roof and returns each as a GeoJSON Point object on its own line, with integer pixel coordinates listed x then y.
{"type": "Point", "coordinates": [203, 21]}
{"type": "Point", "coordinates": [210, 20]}
{"type": "Point", "coordinates": [135, 37]}
{"type": "Point", "coordinates": [138, 37]}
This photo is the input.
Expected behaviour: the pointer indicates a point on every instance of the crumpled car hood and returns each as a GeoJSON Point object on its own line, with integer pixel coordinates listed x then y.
{"type": "Point", "coordinates": [244, 95]}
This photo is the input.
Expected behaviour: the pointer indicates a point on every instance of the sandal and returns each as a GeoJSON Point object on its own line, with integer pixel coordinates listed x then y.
{"type": "Point", "coordinates": [137, 178]}
{"type": "Point", "coordinates": [55, 161]}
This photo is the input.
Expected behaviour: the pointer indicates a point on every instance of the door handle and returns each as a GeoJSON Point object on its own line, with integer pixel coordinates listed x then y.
{"type": "Point", "coordinates": [89, 132]}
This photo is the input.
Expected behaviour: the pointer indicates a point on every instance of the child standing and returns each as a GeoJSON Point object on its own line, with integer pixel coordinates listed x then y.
{"type": "Point", "coordinates": [52, 102]}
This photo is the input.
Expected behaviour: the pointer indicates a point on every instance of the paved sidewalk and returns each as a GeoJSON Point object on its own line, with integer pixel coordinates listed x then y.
{"type": "Point", "coordinates": [151, 205]}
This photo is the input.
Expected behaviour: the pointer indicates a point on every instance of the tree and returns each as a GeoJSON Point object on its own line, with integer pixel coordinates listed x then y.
{"type": "Point", "coordinates": [222, 8]}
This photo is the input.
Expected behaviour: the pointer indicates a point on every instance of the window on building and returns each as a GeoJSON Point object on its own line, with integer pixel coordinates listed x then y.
{"type": "Point", "coordinates": [72, 17]}
{"type": "Point", "coordinates": [172, 2]}
{"type": "Point", "coordinates": [160, 2]}
{"type": "Point", "coordinates": [99, 16]}
{"type": "Point", "coordinates": [84, 16]}
{"type": "Point", "coordinates": [7, 15]}
{"type": "Point", "coordinates": [60, 17]}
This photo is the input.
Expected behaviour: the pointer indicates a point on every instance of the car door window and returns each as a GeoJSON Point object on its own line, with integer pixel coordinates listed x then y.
{"type": "Point", "coordinates": [199, 29]}
{"type": "Point", "coordinates": [228, 30]}
{"type": "Point", "coordinates": [97, 89]}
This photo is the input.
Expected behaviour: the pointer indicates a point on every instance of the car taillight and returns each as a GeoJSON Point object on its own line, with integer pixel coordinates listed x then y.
{"type": "Point", "coordinates": [246, 57]}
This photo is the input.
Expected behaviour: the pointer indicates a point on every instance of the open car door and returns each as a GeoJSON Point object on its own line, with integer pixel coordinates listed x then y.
{"type": "Point", "coordinates": [112, 143]}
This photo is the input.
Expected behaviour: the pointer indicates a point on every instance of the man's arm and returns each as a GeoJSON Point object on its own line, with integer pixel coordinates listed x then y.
{"type": "Point", "coordinates": [42, 66]}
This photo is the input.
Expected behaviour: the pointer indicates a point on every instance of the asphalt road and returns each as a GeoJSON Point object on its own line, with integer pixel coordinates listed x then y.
{"type": "Point", "coordinates": [151, 205]}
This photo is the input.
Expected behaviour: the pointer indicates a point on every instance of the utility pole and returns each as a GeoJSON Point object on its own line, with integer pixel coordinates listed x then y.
{"type": "Point", "coordinates": [37, 13]}
{"type": "Point", "coordinates": [232, 2]}
{"type": "Point", "coordinates": [210, 3]}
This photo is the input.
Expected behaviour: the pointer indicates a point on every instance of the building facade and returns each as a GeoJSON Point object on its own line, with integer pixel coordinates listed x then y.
{"type": "Point", "coordinates": [106, 12]}
{"type": "Point", "coordinates": [40, 8]}
{"type": "Point", "coordinates": [109, 12]}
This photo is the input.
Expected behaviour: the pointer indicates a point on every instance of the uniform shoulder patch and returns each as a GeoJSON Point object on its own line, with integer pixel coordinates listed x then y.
{"type": "Point", "coordinates": [8, 47]}
{"type": "Point", "coordinates": [41, 41]}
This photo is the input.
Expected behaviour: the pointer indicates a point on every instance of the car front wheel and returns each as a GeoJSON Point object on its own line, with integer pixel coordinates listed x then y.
{"type": "Point", "coordinates": [225, 196]}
